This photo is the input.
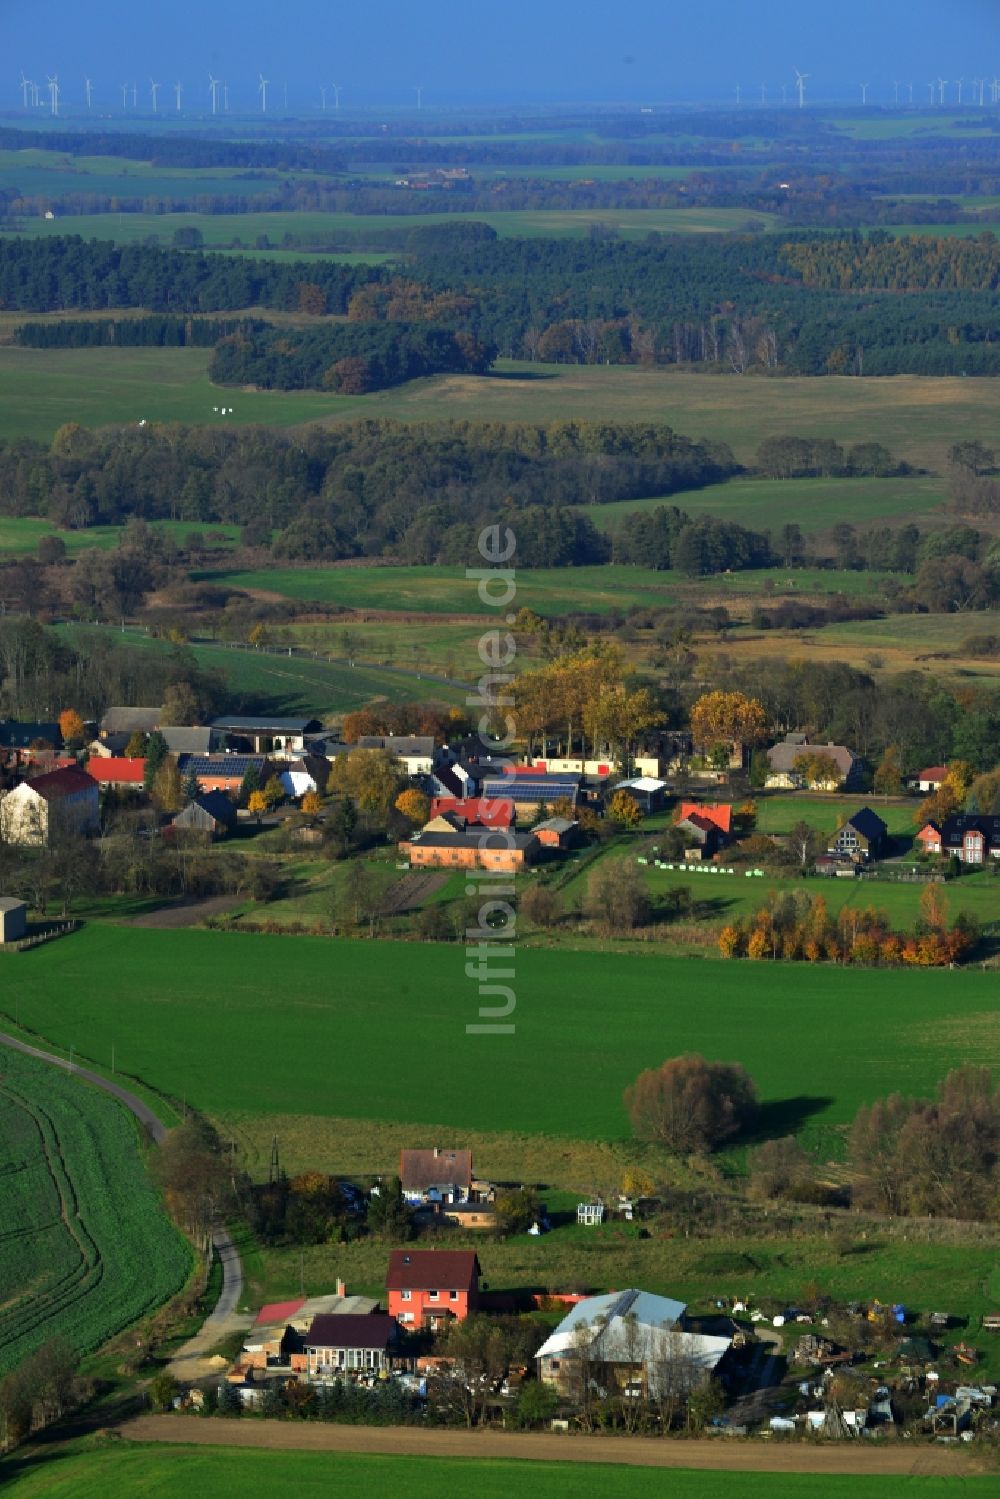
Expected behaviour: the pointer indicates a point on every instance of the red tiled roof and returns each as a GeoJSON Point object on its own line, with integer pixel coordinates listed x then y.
{"type": "Point", "coordinates": [932, 773]}
{"type": "Point", "coordinates": [432, 1270]}
{"type": "Point", "coordinates": [131, 772]}
{"type": "Point", "coordinates": [58, 783]}
{"type": "Point", "coordinates": [491, 811]}
{"type": "Point", "coordinates": [719, 813]}
{"type": "Point", "coordinates": [278, 1311]}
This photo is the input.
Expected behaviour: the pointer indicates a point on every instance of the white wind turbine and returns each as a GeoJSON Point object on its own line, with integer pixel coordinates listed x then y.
{"type": "Point", "coordinates": [213, 85]}
{"type": "Point", "coordinates": [418, 89]}
{"type": "Point", "coordinates": [932, 87]}
{"type": "Point", "coordinates": [154, 89]}
{"type": "Point", "coordinates": [763, 93]}
{"type": "Point", "coordinates": [800, 86]}
{"type": "Point", "coordinates": [336, 95]}
{"type": "Point", "coordinates": [26, 87]}
{"type": "Point", "coordinates": [124, 98]}
{"type": "Point", "coordinates": [942, 85]}
{"type": "Point", "coordinates": [262, 90]}
{"type": "Point", "coordinates": [322, 98]}
{"type": "Point", "coordinates": [864, 92]}
{"type": "Point", "coordinates": [225, 98]}
{"type": "Point", "coordinates": [739, 94]}
{"type": "Point", "coordinates": [88, 87]}
{"type": "Point", "coordinates": [178, 90]}
{"type": "Point", "coordinates": [910, 87]}
{"type": "Point", "coordinates": [54, 94]}
{"type": "Point", "coordinates": [960, 82]}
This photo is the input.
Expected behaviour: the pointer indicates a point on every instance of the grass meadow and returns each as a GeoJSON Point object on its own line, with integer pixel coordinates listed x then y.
{"type": "Point", "coordinates": [20, 535]}
{"type": "Point", "coordinates": [917, 418]}
{"type": "Point", "coordinates": [238, 1023]}
{"type": "Point", "coordinates": [162, 1472]}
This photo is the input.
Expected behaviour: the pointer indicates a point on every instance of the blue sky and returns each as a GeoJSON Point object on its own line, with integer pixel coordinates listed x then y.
{"type": "Point", "coordinates": [502, 50]}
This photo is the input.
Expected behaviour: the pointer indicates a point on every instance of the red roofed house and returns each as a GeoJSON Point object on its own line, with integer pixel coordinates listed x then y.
{"type": "Point", "coordinates": [490, 811]}
{"type": "Point", "coordinates": [707, 837]}
{"type": "Point", "coordinates": [929, 838]}
{"type": "Point", "coordinates": [63, 800]}
{"type": "Point", "coordinates": [720, 813]}
{"type": "Point", "coordinates": [111, 771]}
{"type": "Point", "coordinates": [929, 779]}
{"type": "Point", "coordinates": [429, 1287]}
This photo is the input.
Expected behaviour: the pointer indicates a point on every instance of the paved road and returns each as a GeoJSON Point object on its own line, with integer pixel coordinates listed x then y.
{"type": "Point", "coordinates": [718, 1453]}
{"type": "Point", "coordinates": [223, 1318]}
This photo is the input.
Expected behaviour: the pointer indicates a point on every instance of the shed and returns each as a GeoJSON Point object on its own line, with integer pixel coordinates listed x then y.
{"type": "Point", "coordinates": [648, 791]}
{"type": "Point", "coordinates": [212, 812]}
{"type": "Point", "coordinates": [13, 919]}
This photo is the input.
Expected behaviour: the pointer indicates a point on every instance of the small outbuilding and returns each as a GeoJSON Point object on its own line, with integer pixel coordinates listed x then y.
{"type": "Point", "coordinates": [13, 919]}
{"type": "Point", "coordinates": [213, 812]}
{"type": "Point", "coordinates": [648, 791]}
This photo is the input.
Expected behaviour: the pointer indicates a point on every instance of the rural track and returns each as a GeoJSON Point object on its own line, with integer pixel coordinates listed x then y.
{"type": "Point", "coordinates": [223, 1318]}
{"type": "Point", "coordinates": [719, 1454]}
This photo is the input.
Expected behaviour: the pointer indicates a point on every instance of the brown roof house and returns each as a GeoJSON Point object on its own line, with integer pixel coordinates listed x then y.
{"type": "Point", "coordinates": [65, 801]}
{"type": "Point", "coordinates": [436, 1175]}
{"type": "Point", "coordinates": [432, 1287]}
{"type": "Point", "coordinates": [348, 1343]}
{"type": "Point", "coordinates": [795, 763]}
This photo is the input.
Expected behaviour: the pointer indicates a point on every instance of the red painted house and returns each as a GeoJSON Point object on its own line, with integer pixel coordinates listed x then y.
{"type": "Point", "coordinates": [929, 838]}
{"type": "Point", "coordinates": [719, 813]}
{"type": "Point", "coordinates": [430, 1287]}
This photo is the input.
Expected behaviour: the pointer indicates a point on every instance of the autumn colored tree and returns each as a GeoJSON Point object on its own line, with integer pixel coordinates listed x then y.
{"type": "Point", "coordinates": [72, 728]}
{"type": "Point", "coordinates": [625, 809]}
{"type": "Point", "coordinates": [728, 718]}
{"type": "Point", "coordinates": [311, 803]}
{"type": "Point", "coordinates": [135, 749]}
{"type": "Point", "coordinates": [371, 777]}
{"type": "Point", "coordinates": [167, 792]}
{"type": "Point", "coordinates": [414, 805]}
{"type": "Point", "coordinates": [312, 298]}
{"type": "Point", "coordinates": [257, 804]}
{"type": "Point", "coordinates": [273, 792]}
{"type": "Point", "coordinates": [888, 777]}
{"type": "Point", "coordinates": [815, 768]}
{"type": "Point", "coordinates": [949, 797]}
{"type": "Point", "coordinates": [362, 721]}
{"type": "Point", "coordinates": [690, 1104]}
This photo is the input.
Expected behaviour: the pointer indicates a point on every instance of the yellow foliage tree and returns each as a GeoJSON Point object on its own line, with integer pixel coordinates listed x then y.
{"type": "Point", "coordinates": [311, 803]}
{"type": "Point", "coordinates": [257, 803]}
{"type": "Point", "coordinates": [71, 727]}
{"type": "Point", "coordinates": [414, 805]}
{"type": "Point", "coordinates": [625, 809]}
{"type": "Point", "coordinates": [728, 718]}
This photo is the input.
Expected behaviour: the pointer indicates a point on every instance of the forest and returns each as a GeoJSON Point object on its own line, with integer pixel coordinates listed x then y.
{"type": "Point", "coordinates": [350, 359]}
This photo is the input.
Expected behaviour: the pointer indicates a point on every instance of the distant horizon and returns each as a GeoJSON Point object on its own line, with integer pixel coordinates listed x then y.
{"type": "Point", "coordinates": [655, 52]}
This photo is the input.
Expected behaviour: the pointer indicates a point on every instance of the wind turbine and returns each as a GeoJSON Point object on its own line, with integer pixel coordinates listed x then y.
{"type": "Point", "coordinates": [26, 84]}
{"type": "Point", "coordinates": [895, 91]}
{"type": "Point", "coordinates": [336, 95]}
{"type": "Point", "coordinates": [418, 89]}
{"type": "Point", "coordinates": [178, 90]}
{"type": "Point", "coordinates": [910, 87]}
{"type": "Point", "coordinates": [89, 90]}
{"type": "Point", "coordinates": [262, 90]}
{"type": "Point", "coordinates": [739, 94]}
{"type": "Point", "coordinates": [800, 85]}
{"type": "Point", "coordinates": [763, 94]}
{"type": "Point", "coordinates": [322, 96]}
{"type": "Point", "coordinates": [995, 91]}
{"type": "Point", "coordinates": [135, 96]}
{"type": "Point", "coordinates": [213, 84]}
{"type": "Point", "coordinates": [154, 89]}
{"type": "Point", "coordinates": [864, 92]}
{"type": "Point", "coordinates": [54, 93]}
{"type": "Point", "coordinates": [124, 98]}
{"type": "Point", "coordinates": [942, 83]}
{"type": "Point", "coordinates": [225, 98]}
{"type": "Point", "coordinates": [960, 82]}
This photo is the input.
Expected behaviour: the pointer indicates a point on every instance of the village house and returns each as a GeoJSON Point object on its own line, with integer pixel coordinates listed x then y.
{"type": "Point", "coordinates": [783, 774]}
{"type": "Point", "coordinates": [61, 801]}
{"type": "Point", "coordinates": [475, 809]}
{"type": "Point", "coordinates": [283, 738]}
{"type": "Point", "coordinates": [130, 721]}
{"type": "Point", "coordinates": [111, 747]}
{"type": "Point", "coordinates": [212, 813]}
{"type": "Point", "coordinates": [862, 837]}
{"type": "Point", "coordinates": [642, 765]}
{"type": "Point", "coordinates": [190, 741]}
{"type": "Point", "coordinates": [19, 742]}
{"type": "Point", "coordinates": [705, 834]}
{"type": "Point", "coordinates": [557, 833]}
{"type": "Point", "coordinates": [528, 789]}
{"type": "Point", "coordinates": [648, 791]}
{"type": "Point", "coordinates": [442, 1178]}
{"type": "Point", "coordinates": [121, 774]}
{"type": "Point", "coordinates": [224, 772]}
{"type": "Point", "coordinates": [431, 1287]}
{"type": "Point", "coordinates": [633, 1341]}
{"type": "Point", "coordinates": [277, 1339]}
{"type": "Point", "coordinates": [927, 780]}
{"type": "Point", "coordinates": [308, 773]}
{"type": "Point", "coordinates": [474, 847]}
{"type": "Point", "coordinates": [340, 1344]}
{"type": "Point", "coordinates": [415, 752]}
{"type": "Point", "coordinates": [972, 837]}
{"type": "Point", "coordinates": [719, 813]}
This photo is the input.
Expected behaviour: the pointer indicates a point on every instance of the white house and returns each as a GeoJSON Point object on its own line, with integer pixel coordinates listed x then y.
{"type": "Point", "coordinates": [64, 800]}
{"type": "Point", "coordinates": [415, 752]}
{"type": "Point", "coordinates": [629, 1339]}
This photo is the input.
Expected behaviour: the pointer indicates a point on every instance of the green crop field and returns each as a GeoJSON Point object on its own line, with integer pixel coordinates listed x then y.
{"type": "Point", "coordinates": [209, 1007]}
{"type": "Point", "coordinates": [223, 229]}
{"type": "Point", "coordinates": [812, 504]}
{"type": "Point", "coordinates": [913, 633]}
{"type": "Point", "coordinates": [446, 590]}
{"type": "Point", "coordinates": [779, 811]}
{"type": "Point", "coordinates": [79, 1213]}
{"type": "Point", "coordinates": [162, 1472]}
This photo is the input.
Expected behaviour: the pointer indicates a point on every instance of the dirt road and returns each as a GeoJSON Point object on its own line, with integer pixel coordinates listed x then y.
{"type": "Point", "coordinates": [719, 1454]}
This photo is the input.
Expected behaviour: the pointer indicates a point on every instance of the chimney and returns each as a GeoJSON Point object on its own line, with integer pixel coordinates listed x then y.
{"type": "Point", "coordinates": [341, 1287]}
{"type": "Point", "coordinates": [436, 1152]}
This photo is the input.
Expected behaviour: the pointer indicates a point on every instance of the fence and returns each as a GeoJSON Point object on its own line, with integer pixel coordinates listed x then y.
{"type": "Point", "coordinates": [58, 929]}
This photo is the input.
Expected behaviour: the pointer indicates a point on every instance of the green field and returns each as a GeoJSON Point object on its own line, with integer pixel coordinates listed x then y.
{"type": "Point", "coordinates": [918, 418]}
{"type": "Point", "coordinates": [446, 590]}
{"type": "Point", "coordinates": [223, 229]}
{"type": "Point", "coordinates": [812, 504]}
{"type": "Point", "coordinates": [79, 1213]}
{"type": "Point", "coordinates": [164, 1472]}
{"type": "Point", "coordinates": [21, 534]}
{"type": "Point", "coordinates": [210, 1007]}
{"type": "Point", "coordinates": [269, 683]}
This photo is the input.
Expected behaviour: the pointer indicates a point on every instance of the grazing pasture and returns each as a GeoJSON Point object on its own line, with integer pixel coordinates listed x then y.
{"type": "Point", "coordinates": [79, 1213]}
{"type": "Point", "coordinates": [329, 1014]}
